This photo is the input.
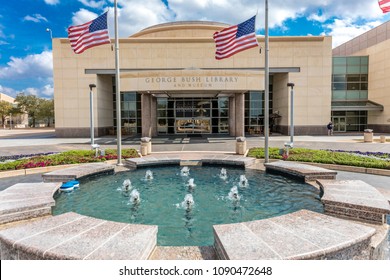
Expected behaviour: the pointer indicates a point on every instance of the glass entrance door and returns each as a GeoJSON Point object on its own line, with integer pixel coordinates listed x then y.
{"type": "Point", "coordinates": [339, 124]}
{"type": "Point", "coordinates": [194, 125]}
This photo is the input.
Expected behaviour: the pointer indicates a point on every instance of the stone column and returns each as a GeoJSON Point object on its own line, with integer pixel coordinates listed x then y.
{"type": "Point", "coordinates": [153, 115]}
{"type": "Point", "coordinates": [240, 114]}
{"type": "Point", "coordinates": [145, 114]}
{"type": "Point", "coordinates": [232, 116]}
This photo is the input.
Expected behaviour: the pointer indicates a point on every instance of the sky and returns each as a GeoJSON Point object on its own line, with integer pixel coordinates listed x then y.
{"type": "Point", "coordinates": [25, 44]}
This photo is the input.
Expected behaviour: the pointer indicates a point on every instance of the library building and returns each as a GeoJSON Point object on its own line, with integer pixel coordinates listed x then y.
{"type": "Point", "coordinates": [171, 84]}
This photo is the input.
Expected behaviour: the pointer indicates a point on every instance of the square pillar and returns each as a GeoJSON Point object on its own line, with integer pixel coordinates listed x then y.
{"type": "Point", "coordinates": [153, 115]}
{"type": "Point", "coordinates": [145, 114]}
{"type": "Point", "coordinates": [240, 114]}
{"type": "Point", "coordinates": [232, 116]}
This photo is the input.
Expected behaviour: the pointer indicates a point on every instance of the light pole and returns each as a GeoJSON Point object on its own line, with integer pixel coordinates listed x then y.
{"type": "Point", "coordinates": [291, 113]}
{"type": "Point", "coordinates": [51, 34]}
{"type": "Point", "coordinates": [91, 86]}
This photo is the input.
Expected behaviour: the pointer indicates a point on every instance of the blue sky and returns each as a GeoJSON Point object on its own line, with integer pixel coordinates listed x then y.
{"type": "Point", "coordinates": [25, 46]}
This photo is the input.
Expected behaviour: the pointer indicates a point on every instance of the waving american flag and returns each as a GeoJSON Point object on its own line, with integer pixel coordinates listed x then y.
{"type": "Point", "coordinates": [384, 5]}
{"type": "Point", "coordinates": [90, 34]}
{"type": "Point", "coordinates": [236, 38]}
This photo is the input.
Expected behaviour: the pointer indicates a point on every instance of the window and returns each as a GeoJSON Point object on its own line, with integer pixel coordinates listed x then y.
{"type": "Point", "coordinates": [350, 78]}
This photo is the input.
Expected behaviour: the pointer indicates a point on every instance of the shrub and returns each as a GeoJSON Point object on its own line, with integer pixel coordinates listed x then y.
{"type": "Point", "coordinates": [325, 156]}
{"type": "Point", "coordinates": [68, 157]}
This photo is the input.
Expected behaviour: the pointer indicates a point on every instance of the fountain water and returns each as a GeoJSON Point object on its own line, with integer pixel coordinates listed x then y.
{"type": "Point", "coordinates": [243, 181]}
{"type": "Point", "coordinates": [233, 194]}
{"type": "Point", "coordinates": [134, 197]}
{"type": "Point", "coordinates": [191, 183]}
{"type": "Point", "coordinates": [185, 171]}
{"type": "Point", "coordinates": [188, 202]}
{"type": "Point", "coordinates": [126, 185]}
{"type": "Point", "coordinates": [163, 203]}
{"type": "Point", "coordinates": [149, 175]}
{"type": "Point", "coordinates": [223, 174]}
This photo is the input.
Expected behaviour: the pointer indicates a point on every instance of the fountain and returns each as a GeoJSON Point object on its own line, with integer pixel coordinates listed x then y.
{"type": "Point", "coordinates": [185, 171]}
{"type": "Point", "coordinates": [191, 183]}
{"type": "Point", "coordinates": [223, 174]}
{"type": "Point", "coordinates": [188, 202]}
{"type": "Point", "coordinates": [233, 194]}
{"type": "Point", "coordinates": [149, 175]}
{"type": "Point", "coordinates": [126, 185]}
{"type": "Point", "coordinates": [243, 181]}
{"type": "Point", "coordinates": [134, 197]}
{"type": "Point", "coordinates": [188, 220]}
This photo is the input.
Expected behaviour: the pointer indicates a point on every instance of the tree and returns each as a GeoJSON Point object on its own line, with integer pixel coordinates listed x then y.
{"type": "Point", "coordinates": [28, 104]}
{"type": "Point", "coordinates": [5, 110]}
{"type": "Point", "coordinates": [45, 110]}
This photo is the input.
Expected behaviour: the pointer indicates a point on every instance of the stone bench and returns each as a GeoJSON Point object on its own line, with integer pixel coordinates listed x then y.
{"type": "Point", "coordinates": [26, 200]}
{"type": "Point", "coordinates": [354, 199]}
{"type": "Point", "coordinates": [77, 172]}
{"type": "Point", "coordinates": [299, 170]}
{"type": "Point", "coordinates": [299, 235]}
{"type": "Point", "coordinates": [72, 236]}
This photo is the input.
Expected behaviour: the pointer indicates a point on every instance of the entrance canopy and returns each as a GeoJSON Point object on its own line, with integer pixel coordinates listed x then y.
{"type": "Point", "coordinates": [364, 105]}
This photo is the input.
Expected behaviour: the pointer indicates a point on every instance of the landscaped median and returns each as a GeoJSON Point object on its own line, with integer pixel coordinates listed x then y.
{"type": "Point", "coordinates": [349, 158]}
{"type": "Point", "coordinates": [64, 158]}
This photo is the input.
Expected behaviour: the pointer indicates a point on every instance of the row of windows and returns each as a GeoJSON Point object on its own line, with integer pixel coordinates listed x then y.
{"type": "Point", "coordinates": [350, 65]}
{"type": "Point", "coordinates": [350, 82]}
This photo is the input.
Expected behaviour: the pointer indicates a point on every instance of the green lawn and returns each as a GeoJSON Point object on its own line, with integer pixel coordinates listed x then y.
{"type": "Point", "coordinates": [69, 157]}
{"type": "Point", "coordinates": [354, 158]}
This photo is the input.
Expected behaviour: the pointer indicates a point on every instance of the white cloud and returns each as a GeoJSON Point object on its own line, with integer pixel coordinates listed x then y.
{"type": "Point", "coordinates": [136, 15]}
{"type": "Point", "coordinates": [133, 16]}
{"type": "Point", "coordinates": [93, 4]}
{"type": "Point", "coordinates": [83, 16]}
{"type": "Point", "coordinates": [47, 91]}
{"type": "Point", "coordinates": [52, 2]}
{"type": "Point", "coordinates": [32, 66]}
{"type": "Point", "coordinates": [343, 30]}
{"type": "Point", "coordinates": [30, 91]}
{"type": "Point", "coordinates": [8, 91]}
{"type": "Point", "coordinates": [35, 18]}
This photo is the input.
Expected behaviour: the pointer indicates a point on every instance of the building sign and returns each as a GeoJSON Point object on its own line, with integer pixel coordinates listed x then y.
{"type": "Point", "coordinates": [192, 81]}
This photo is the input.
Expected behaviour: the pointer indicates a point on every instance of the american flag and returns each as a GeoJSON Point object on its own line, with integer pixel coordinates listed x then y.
{"type": "Point", "coordinates": [384, 5]}
{"type": "Point", "coordinates": [90, 34]}
{"type": "Point", "coordinates": [236, 38]}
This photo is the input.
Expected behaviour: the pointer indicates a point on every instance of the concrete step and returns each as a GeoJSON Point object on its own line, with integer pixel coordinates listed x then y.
{"type": "Point", "coordinates": [299, 235]}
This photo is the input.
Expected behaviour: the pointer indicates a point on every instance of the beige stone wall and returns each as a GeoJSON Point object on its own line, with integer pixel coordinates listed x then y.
{"type": "Point", "coordinates": [376, 44]}
{"type": "Point", "coordinates": [183, 51]}
{"type": "Point", "coordinates": [4, 97]}
{"type": "Point", "coordinates": [379, 81]}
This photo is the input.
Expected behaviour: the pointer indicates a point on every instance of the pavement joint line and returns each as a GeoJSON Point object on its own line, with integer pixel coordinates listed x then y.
{"type": "Point", "coordinates": [73, 237]}
{"type": "Point", "coordinates": [109, 239]}
{"type": "Point", "coordinates": [27, 237]}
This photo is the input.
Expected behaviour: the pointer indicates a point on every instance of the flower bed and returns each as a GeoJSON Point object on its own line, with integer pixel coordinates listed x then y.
{"type": "Point", "coordinates": [69, 157]}
{"type": "Point", "coordinates": [327, 156]}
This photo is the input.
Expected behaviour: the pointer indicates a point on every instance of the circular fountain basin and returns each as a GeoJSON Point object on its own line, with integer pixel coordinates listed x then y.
{"type": "Point", "coordinates": [161, 200]}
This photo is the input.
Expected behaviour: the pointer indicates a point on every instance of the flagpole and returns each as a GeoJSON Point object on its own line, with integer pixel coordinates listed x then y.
{"type": "Point", "coordinates": [117, 90]}
{"type": "Point", "coordinates": [266, 86]}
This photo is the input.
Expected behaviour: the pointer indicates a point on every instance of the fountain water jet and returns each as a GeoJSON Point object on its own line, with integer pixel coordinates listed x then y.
{"type": "Point", "coordinates": [126, 185]}
{"type": "Point", "coordinates": [149, 175]}
{"type": "Point", "coordinates": [191, 183]}
{"type": "Point", "coordinates": [134, 197]}
{"type": "Point", "coordinates": [233, 194]}
{"type": "Point", "coordinates": [223, 174]}
{"type": "Point", "coordinates": [185, 171]}
{"type": "Point", "coordinates": [243, 181]}
{"type": "Point", "coordinates": [188, 202]}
